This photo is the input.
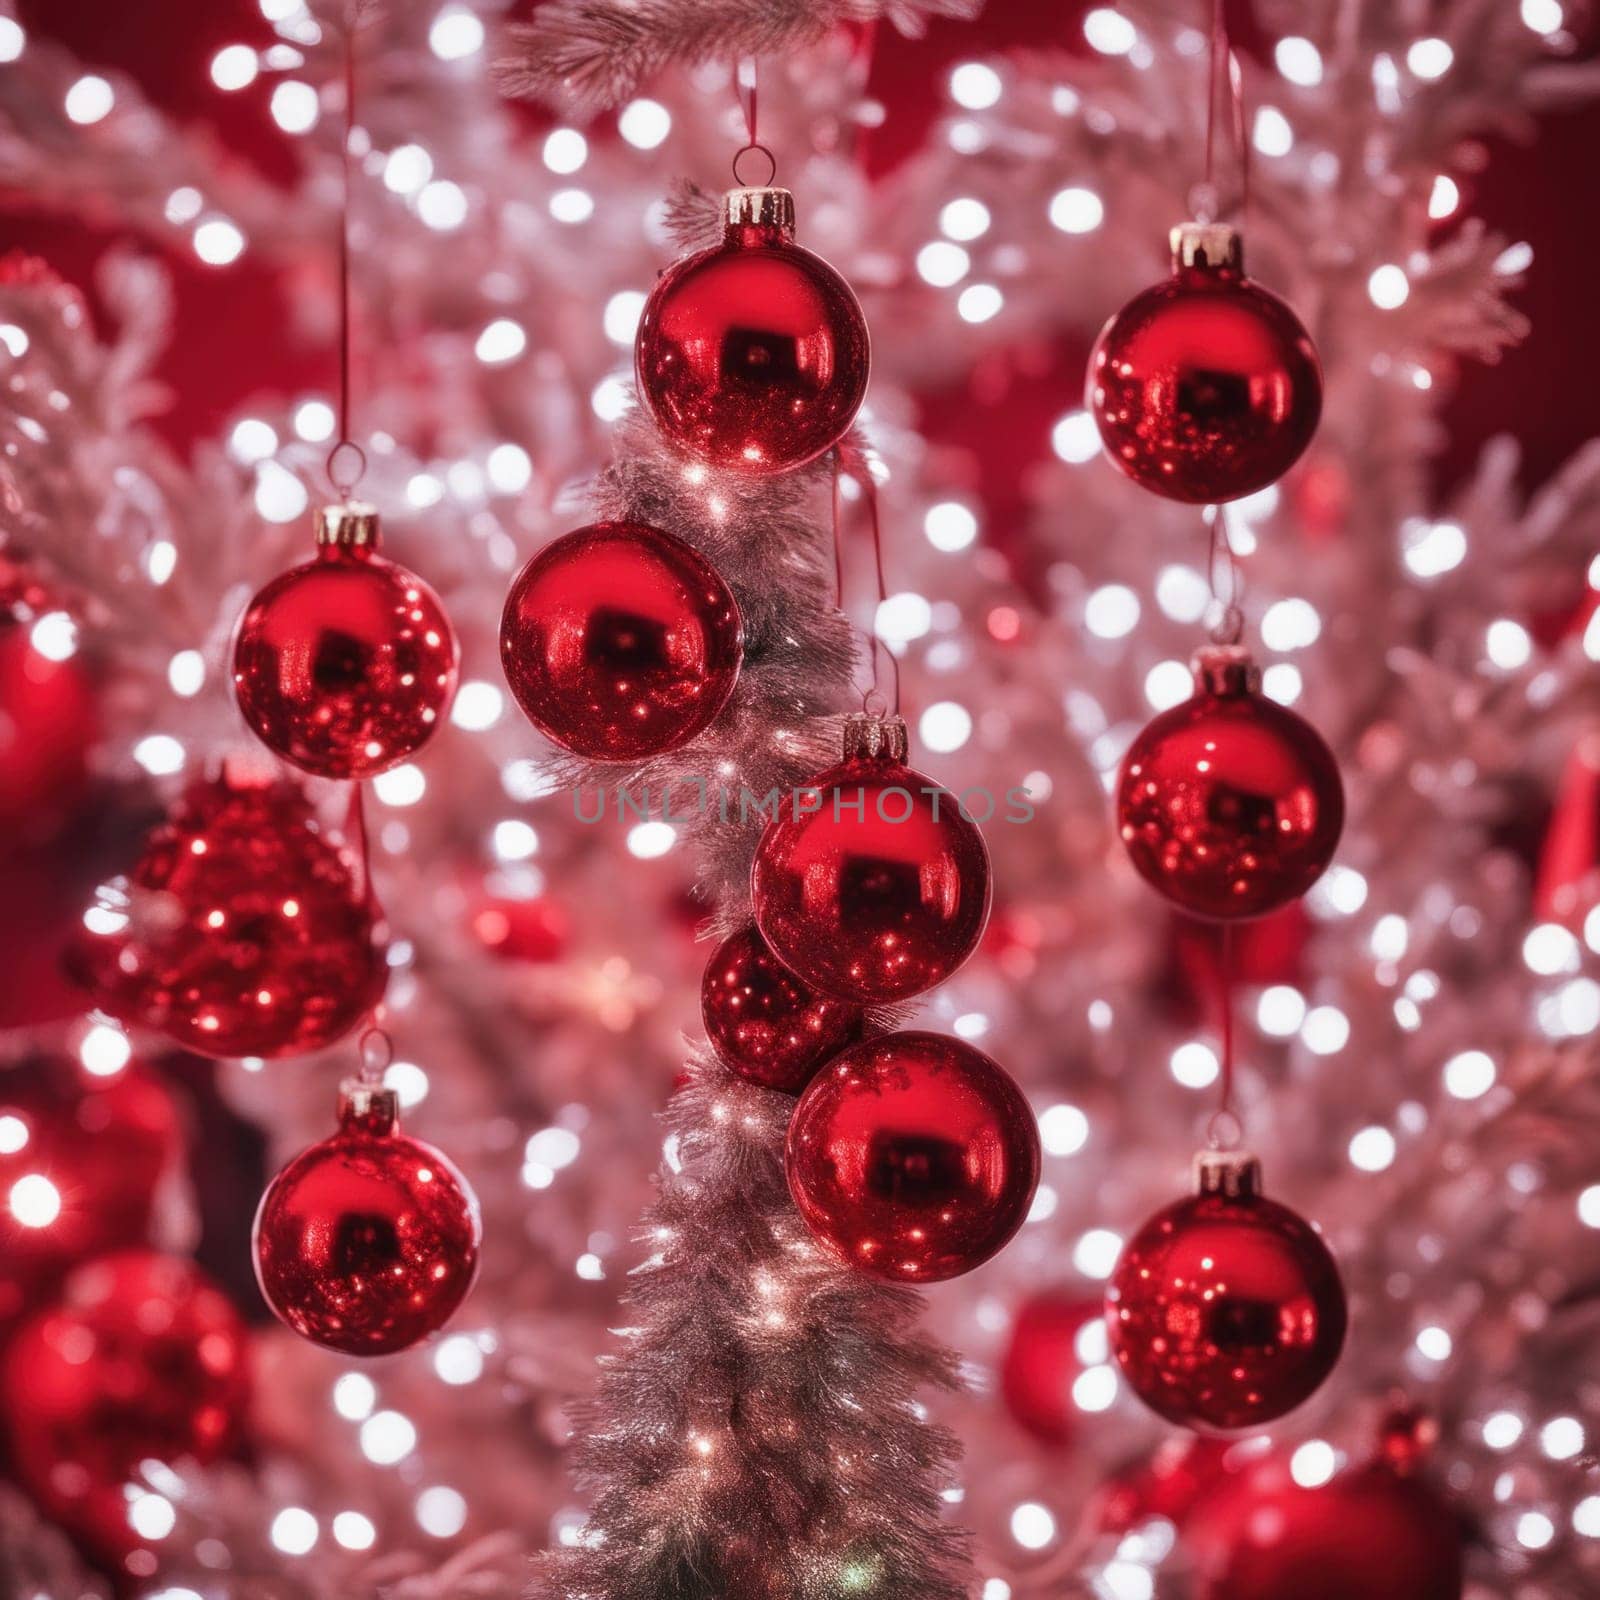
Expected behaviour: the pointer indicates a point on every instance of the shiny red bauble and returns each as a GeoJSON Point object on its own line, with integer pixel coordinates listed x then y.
{"type": "Point", "coordinates": [620, 642]}
{"type": "Point", "coordinates": [1043, 1360]}
{"type": "Point", "coordinates": [1229, 804]}
{"type": "Point", "coordinates": [143, 1358]}
{"type": "Point", "coordinates": [244, 929]}
{"type": "Point", "coordinates": [871, 882]}
{"type": "Point", "coordinates": [345, 665]}
{"type": "Point", "coordinates": [1226, 1309]}
{"type": "Point", "coordinates": [1368, 1534]}
{"type": "Point", "coordinates": [913, 1157]}
{"type": "Point", "coordinates": [84, 1157]}
{"type": "Point", "coordinates": [753, 355]}
{"type": "Point", "coordinates": [765, 1023]}
{"type": "Point", "coordinates": [1205, 387]}
{"type": "Point", "coordinates": [367, 1242]}
{"type": "Point", "coordinates": [49, 712]}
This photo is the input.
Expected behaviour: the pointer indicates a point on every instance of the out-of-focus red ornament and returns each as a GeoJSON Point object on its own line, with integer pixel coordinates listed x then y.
{"type": "Point", "coordinates": [754, 354]}
{"type": "Point", "coordinates": [1205, 387]}
{"type": "Point", "coordinates": [368, 1241]}
{"type": "Point", "coordinates": [345, 665]}
{"type": "Point", "coordinates": [1230, 804]}
{"type": "Point", "coordinates": [871, 882]}
{"type": "Point", "coordinates": [766, 1024]}
{"type": "Point", "coordinates": [1169, 1484]}
{"type": "Point", "coordinates": [1567, 881]}
{"type": "Point", "coordinates": [533, 929]}
{"type": "Point", "coordinates": [83, 1157]}
{"type": "Point", "coordinates": [913, 1157]}
{"type": "Point", "coordinates": [143, 1358]}
{"type": "Point", "coordinates": [1226, 1309]}
{"type": "Point", "coordinates": [1368, 1534]}
{"type": "Point", "coordinates": [620, 642]}
{"type": "Point", "coordinates": [49, 713]}
{"type": "Point", "coordinates": [1043, 1360]}
{"type": "Point", "coordinates": [244, 929]}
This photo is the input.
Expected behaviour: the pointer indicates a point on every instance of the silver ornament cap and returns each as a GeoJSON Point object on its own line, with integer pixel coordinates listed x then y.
{"type": "Point", "coordinates": [1211, 245]}
{"type": "Point", "coordinates": [371, 1107]}
{"type": "Point", "coordinates": [871, 738]}
{"type": "Point", "coordinates": [1225, 670]}
{"type": "Point", "coordinates": [766, 207]}
{"type": "Point", "coordinates": [351, 526]}
{"type": "Point", "coordinates": [1231, 1173]}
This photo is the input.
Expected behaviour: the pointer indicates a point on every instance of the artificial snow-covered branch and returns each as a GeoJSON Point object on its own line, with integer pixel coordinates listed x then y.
{"type": "Point", "coordinates": [589, 54]}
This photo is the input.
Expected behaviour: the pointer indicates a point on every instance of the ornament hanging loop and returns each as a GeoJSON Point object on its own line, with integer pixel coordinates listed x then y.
{"type": "Point", "coordinates": [347, 466]}
{"type": "Point", "coordinates": [1224, 573]}
{"type": "Point", "coordinates": [759, 151]}
{"type": "Point", "coordinates": [1224, 1131]}
{"type": "Point", "coordinates": [377, 1055]}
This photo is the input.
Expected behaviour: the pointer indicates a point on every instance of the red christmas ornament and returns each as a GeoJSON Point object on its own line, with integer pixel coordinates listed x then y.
{"type": "Point", "coordinates": [871, 882]}
{"type": "Point", "coordinates": [82, 1160]}
{"type": "Point", "coordinates": [345, 665]}
{"type": "Point", "coordinates": [1225, 1309]}
{"type": "Point", "coordinates": [620, 642]}
{"type": "Point", "coordinates": [143, 1358]}
{"type": "Point", "coordinates": [1230, 804]}
{"type": "Point", "coordinates": [1368, 1534]}
{"type": "Point", "coordinates": [754, 354]}
{"type": "Point", "coordinates": [1042, 1362]}
{"type": "Point", "coordinates": [368, 1241]}
{"type": "Point", "coordinates": [765, 1023]}
{"type": "Point", "coordinates": [1205, 387]}
{"type": "Point", "coordinates": [517, 929]}
{"type": "Point", "coordinates": [913, 1157]}
{"type": "Point", "coordinates": [244, 930]}
{"type": "Point", "coordinates": [1567, 882]}
{"type": "Point", "coordinates": [1170, 1483]}
{"type": "Point", "coordinates": [49, 715]}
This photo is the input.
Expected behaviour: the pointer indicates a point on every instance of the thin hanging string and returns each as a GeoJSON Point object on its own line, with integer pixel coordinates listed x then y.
{"type": "Point", "coordinates": [375, 1046]}
{"type": "Point", "coordinates": [746, 87]}
{"type": "Point", "coordinates": [1225, 1130]}
{"type": "Point", "coordinates": [1223, 560]}
{"type": "Point", "coordinates": [1224, 81]}
{"type": "Point", "coordinates": [873, 701]}
{"type": "Point", "coordinates": [347, 462]}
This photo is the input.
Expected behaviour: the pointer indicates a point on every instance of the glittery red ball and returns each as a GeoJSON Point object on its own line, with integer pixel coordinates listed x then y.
{"type": "Point", "coordinates": [368, 1241]}
{"type": "Point", "coordinates": [1205, 387]}
{"type": "Point", "coordinates": [345, 665]}
{"type": "Point", "coordinates": [1225, 1311]}
{"type": "Point", "coordinates": [870, 882]}
{"type": "Point", "coordinates": [913, 1157]}
{"type": "Point", "coordinates": [1042, 1362]}
{"type": "Point", "coordinates": [620, 642]}
{"type": "Point", "coordinates": [244, 929]}
{"type": "Point", "coordinates": [754, 354]}
{"type": "Point", "coordinates": [1230, 804]}
{"type": "Point", "coordinates": [142, 1358]}
{"type": "Point", "coordinates": [1369, 1534]}
{"type": "Point", "coordinates": [81, 1166]}
{"type": "Point", "coordinates": [765, 1023]}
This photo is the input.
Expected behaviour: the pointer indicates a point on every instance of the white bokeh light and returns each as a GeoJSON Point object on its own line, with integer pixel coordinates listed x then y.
{"type": "Point", "coordinates": [649, 840]}
{"type": "Point", "coordinates": [1430, 58]}
{"type": "Point", "coordinates": [1389, 288]}
{"type": "Point", "coordinates": [1534, 1530]}
{"type": "Point", "coordinates": [1111, 612]}
{"type": "Point", "coordinates": [503, 340]}
{"type": "Point", "coordinates": [1443, 198]}
{"type": "Point", "coordinates": [949, 526]}
{"type": "Point", "coordinates": [1469, 1074]}
{"type": "Point", "coordinates": [565, 150]}
{"type": "Point", "coordinates": [1508, 644]}
{"type": "Point", "coordinates": [942, 263]}
{"type": "Point", "coordinates": [1032, 1525]}
{"type": "Point", "coordinates": [644, 123]}
{"type": "Point", "coordinates": [1290, 624]}
{"type": "Point", "coordinates": [1326, 1030]}
{"type": "Point", "coordinates": [1543, 16]}
{"type": "Point", "coordinates": [1195, 1065]}
{"type": "Point", "coordinates": [1299, 61]}
{"type": "Point", "coordinates": [1280, 1011]}
{"type": "Point", "coordinates": [234, 67]}
{"type": "Point", "coordinates": [218, 242]}
{"type": "Point", "coordinates": [104, 1050]}
{"type": "Point", "coordinates": [945, 726]}
{"type": "Point", "coordinates": [1272, 134]}
{"type": "Point", "coordinates": [1075, 438]}
{"type": "Point", "coordinates": [964, 219]}
{"type": "Point", "coordinates": [441, 1512]}
{"type": "Point", "coordinates": [1063, 1130]}
{"type": "Point", "coordinates": [89, 100]}
{"type": "Point", "coordinates": [442, 205]}
{"type": "Point", "coordinates": [354, 1396]}
{"type": "Point", "coordinates": [352, 1531]}
{"type": "Point", "coordinates": [455, 34]}
{"type": "Point", "coordinates": [400, 786]}
{"type": "Point", "coordinates": [1167, 684]}
{"type": "Point", "coordinates": [621, 316]}
{"type": "Point", "coordinates": [1434, 1344]}
{"type": "Point", "coordinates": [979, 302]}
{"type": "Point", "coordinates": [1076, 210]}
{"type": "Point", "coordinates": [1562, 1438]}
{"type": "Point", "coordinates": [294, 1531]}
{"type": "Point", "coordinates": [1313, 1463]}
{"type": "Point", "coordinates": [295, 107]}
{"type": "Point", "coordinates": [1432, 549]}
{"type": "Point", "coordinates": [387, 1437]}
{"type": "Point", "coordinates": [1109, 32]}
{"type": "Point", "coordinates": [34, 1201]}
{"type": "Point", "coordinates": [1095, 1254]}
{"type": "Point", "coordinates": [975, 86]}
{"type": "Point", "coordinates": [1372, 1149]}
